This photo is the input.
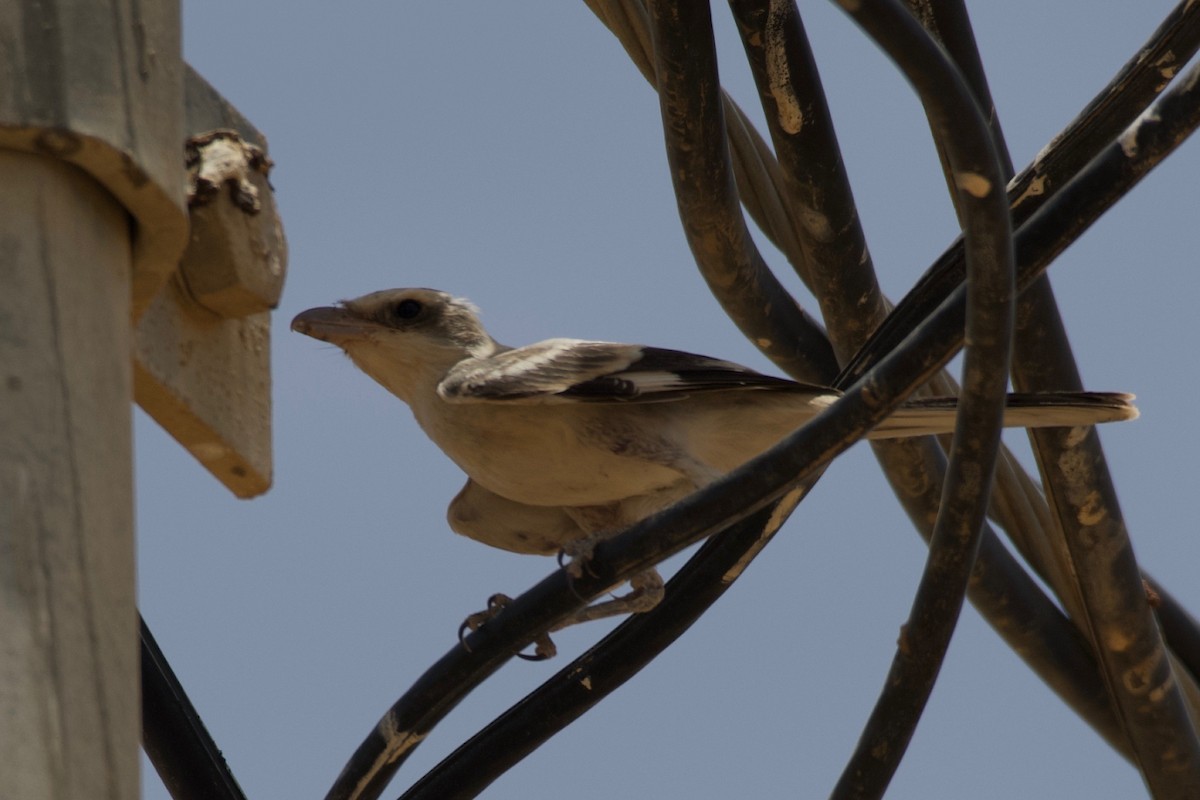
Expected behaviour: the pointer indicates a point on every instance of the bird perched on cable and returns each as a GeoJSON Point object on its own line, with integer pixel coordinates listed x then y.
{"type": "Point", "coordinates": [566, 441]}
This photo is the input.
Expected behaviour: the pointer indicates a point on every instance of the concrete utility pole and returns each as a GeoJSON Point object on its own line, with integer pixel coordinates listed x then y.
{"type": "Point", "coordinates": [109, 286]}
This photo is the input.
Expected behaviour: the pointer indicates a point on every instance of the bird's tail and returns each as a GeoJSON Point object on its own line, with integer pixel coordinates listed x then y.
{"type": "Point", "coordinates": [934, 415]}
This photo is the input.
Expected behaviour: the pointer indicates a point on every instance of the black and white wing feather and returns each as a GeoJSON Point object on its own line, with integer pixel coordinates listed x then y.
{"type": "Point", "coordinates": [570, 370]}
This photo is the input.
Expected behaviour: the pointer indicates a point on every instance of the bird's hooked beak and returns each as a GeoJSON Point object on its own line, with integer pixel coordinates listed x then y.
{"type": "Point", "coordinates": [332, 324]}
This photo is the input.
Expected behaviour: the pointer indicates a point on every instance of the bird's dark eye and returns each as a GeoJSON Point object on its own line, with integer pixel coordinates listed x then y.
{"type": "Point", "coordinates": [407, 308]}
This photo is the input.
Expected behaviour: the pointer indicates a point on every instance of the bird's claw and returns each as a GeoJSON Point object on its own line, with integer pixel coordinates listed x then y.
{"type": "Point", "coordinates": [543, 647]}
{"type": "Point", "coordinates": [477, 620]}
{"type": "Point", "coordinates": [647, 592]}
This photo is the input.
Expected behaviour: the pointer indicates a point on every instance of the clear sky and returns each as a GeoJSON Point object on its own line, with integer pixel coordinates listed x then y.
{"type": "Point", "coordinates": [511, 153]}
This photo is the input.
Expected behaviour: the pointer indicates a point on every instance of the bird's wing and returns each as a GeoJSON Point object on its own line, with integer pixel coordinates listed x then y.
{"type": "Point", "coordinates": [570, 370]}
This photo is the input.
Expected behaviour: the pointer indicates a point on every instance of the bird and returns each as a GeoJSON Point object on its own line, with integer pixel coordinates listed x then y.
{"type": "Point", "coordinates": [566, 442]}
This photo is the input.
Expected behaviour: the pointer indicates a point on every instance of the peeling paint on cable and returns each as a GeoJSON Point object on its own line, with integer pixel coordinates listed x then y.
{"type": "Point", "coordinates": [1129, 139]}
{"type": "Point", "coordinates": [1158, 693]}
{"type": "Point", "coordinates": [816, 223]}
{"type": "Point", "coordinates": [1077, 435]}
{"type": "Point", "coordinates": [1117, 641]}
{"type": "Point", "coordinates": [787, 105]}
{"type": "Point", "coordinates": [1168, 68]}
{"type": "Point", "coordinates": [397, 743]}
{"type": "Point", "coordinates": [1091, 511]}
{"type": "Point", "coordinates": [399, 746]}
{"type": "Point", "coordinates": [973, 183]}
{"type": "Point", "coordinates": [787, 504]}
{"type": "Point", "coordinates": [1036, 188]}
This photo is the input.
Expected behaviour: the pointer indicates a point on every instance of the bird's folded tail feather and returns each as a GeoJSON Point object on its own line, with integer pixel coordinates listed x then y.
{"type": "Point", "coordinates": [934, 415]}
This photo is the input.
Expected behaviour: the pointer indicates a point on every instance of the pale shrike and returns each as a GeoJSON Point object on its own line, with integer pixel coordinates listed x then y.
{"type": "Point", "coordinates": [566, 441]}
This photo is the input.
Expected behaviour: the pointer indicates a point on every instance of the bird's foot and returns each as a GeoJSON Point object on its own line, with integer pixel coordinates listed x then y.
{"type": "Point", "coordinates": [543, 647]}
{"type": "Point", "coordinates": [647, 592]}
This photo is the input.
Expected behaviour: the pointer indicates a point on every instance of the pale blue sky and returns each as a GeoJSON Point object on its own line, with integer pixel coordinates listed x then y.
{"type": "Point", "coordinates": [511, 153]}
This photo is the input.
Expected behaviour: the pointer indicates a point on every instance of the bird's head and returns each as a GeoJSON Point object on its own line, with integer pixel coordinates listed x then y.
{"type": "Point", "coordinates": [403, 338]}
